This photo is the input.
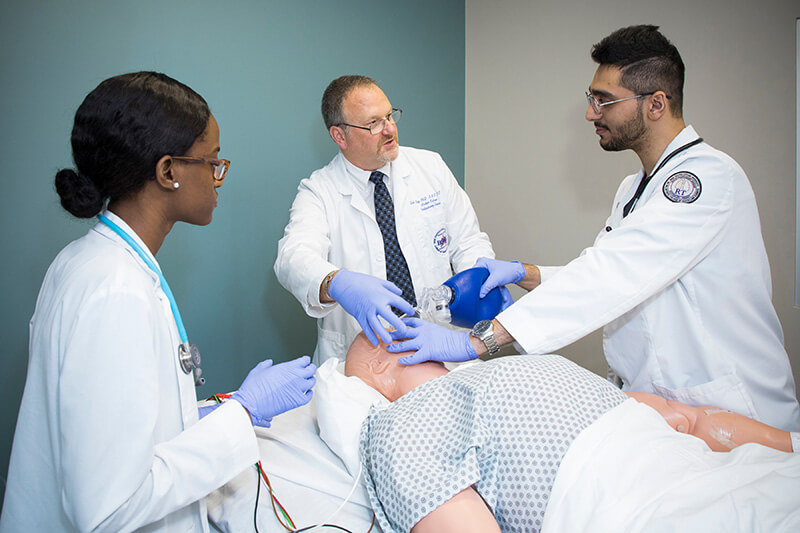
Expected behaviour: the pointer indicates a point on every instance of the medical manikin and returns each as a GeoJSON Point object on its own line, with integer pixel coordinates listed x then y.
{"type": "Point", "coordinates": [470, 425]}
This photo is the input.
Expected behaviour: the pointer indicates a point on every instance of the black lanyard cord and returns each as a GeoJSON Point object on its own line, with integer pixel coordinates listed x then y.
{"type": "Point", "coordinates": [646, 179]}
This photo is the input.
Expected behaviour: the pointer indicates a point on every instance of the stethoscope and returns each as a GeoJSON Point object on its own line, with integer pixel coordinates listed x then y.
{"type": "Point", "coordinates": [646, 179]}
{"type": "Point", "coordinates": [188, 354]}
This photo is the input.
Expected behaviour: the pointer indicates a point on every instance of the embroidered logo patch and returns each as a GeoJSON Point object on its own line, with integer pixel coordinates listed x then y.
{"type": "Point", "coordinates": [440, 240]}
{"type": "Point", "coordinates": [682, 188]}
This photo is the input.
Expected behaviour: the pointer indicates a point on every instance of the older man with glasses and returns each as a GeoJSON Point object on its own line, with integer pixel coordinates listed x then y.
{"type": "Point", "coordinates": [678, 274]}
{"type": "Point", "coordinates": [377, 225]}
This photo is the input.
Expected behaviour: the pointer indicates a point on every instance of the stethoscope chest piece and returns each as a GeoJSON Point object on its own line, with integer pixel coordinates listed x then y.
{"type": "Point", "coordinates": [189, 357]}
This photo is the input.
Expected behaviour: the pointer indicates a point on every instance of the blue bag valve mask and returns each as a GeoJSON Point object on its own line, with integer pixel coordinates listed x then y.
{"type": "Point", "coordinates": [457, 300]}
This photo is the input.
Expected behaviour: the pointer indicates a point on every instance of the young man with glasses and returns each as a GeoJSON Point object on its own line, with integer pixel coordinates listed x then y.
{"type": "Point", "coordinates": [377, 225]}
{"type": "Point", "coordinates": [678, 275]}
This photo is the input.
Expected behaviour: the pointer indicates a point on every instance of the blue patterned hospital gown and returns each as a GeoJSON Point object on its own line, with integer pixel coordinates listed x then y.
{"type": "Point", "coordinates": [502, 426]}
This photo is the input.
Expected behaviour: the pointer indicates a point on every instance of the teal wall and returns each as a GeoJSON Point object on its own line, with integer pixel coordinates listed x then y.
{"type": "Point", "coordinates": [262, 66]}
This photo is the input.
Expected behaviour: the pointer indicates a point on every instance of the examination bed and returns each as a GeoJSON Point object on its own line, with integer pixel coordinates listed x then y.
{"type": "Point", "coordinates": [624, 473]}
{"type": "Point", "coordinates": [309, 480]}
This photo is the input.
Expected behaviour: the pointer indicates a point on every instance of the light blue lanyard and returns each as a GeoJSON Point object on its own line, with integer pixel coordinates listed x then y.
{"type": "Point", "coordinates": [149, 262]}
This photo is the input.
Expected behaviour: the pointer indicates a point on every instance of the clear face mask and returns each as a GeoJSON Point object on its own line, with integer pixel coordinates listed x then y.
{"type": "Point", "coordinates": [434, 304]}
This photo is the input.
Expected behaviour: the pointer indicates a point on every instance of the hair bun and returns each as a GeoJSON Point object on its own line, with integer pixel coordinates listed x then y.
{"type": "Point", "coordinates": [79, 194]}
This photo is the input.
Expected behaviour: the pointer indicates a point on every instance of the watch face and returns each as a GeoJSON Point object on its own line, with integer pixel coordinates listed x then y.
{"type": "Point", "coordinates": [481, 327]}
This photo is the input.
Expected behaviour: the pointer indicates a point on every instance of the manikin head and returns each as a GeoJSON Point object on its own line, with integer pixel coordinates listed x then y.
{"type": "Point", "coordinates": [380, 370]}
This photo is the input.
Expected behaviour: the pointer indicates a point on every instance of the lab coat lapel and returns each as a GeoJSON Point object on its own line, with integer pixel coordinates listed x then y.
{"type": "Point", "coordinates": [400, 172]}
{"type": "Point", "coordinates": [350, 189]}
{"type": "Point", "coordinates": [184, 383]}
{"type": "Point", "coordinates": [357, 202]}
{"type": "Point", "coordinates": [686, 135]}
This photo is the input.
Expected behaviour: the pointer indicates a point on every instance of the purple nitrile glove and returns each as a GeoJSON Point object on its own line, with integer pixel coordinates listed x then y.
{"type": "Point", "coordinates": [270, 390]}
{"type": "Point", "coordinates": [431, 342]}
{"type": "Point", "coordinates": [207, 409]}
{"type": "Point", "coordinates": [500, 273]}
{"type": "Point", "coordinates": [366, 298]}
{"type": "Point", "coordinates": [507, 299]}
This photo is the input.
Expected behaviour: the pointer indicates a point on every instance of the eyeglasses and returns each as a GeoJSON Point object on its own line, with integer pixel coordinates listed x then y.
{"type": "Point", "coordinates": [597, 106]}
{"type": "Point", "coordinates": [218, 166]}
{"type": "Point", "coordinates": [376, 126]}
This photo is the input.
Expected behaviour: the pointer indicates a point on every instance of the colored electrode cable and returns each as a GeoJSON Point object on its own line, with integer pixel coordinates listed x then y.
{"type": "Point", "coordinates": [275, 500]}
{"type": "Point", "coordinates": [219, 398]}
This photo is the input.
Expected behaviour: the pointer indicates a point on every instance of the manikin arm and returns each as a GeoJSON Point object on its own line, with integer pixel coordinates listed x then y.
{"type": "Point", "coordinates": [721, 429]}
{"type": "Point", "coordinates": [466, 512]}
{"type": "Point", "coordinates": [724, 430]}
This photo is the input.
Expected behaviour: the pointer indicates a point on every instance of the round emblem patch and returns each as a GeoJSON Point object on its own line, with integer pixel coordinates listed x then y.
{"type": "Point", "coordinates": [682, 188]}
{"type": "Point", "coordinates": [440, 240]}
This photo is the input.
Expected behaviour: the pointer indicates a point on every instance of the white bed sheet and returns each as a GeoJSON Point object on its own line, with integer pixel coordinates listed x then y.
{"type": "Point", "coordinates": [309, 480]}
{"type": "Point", "coordinates": [631, 472]}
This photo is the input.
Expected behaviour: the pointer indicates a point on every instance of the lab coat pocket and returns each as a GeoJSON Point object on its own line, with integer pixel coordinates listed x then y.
{"type": "Point", "coordinates": [726, 392]}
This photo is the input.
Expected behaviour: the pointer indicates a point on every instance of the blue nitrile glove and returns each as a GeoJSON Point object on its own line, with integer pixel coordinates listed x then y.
{"type": "Point", "coordinates": [432, 343]}
{"type": "Point", "coordinates": [507, 299]}
{"type": "Point", "coordinates": [366, 298]}
{"type": "Point", "coordinates": [207, 409]}
{"type": "Point", "coordinates": [271, 390]}
{"type": "Point", "coordinates": [500, 273]}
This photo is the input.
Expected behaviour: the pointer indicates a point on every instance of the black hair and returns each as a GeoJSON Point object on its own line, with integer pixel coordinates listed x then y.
{"type": "Point", "coordinates": [122, 128]}
{"type": "Point", "coordinates": [335, 94]}
{"type": "Point", "coordinates": [648, 60]}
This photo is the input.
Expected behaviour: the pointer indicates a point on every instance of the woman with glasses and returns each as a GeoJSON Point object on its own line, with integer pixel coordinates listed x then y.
{"type": "Point", "coordinates": [109, 437]}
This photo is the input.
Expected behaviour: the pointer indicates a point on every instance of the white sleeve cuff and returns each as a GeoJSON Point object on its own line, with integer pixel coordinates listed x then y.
{"type": "Point", "coordinates": [547, 272]}
{"type": "Point", "coordinates": [315, 308]}
{"type": "Point", "coordinates": [795, 441]}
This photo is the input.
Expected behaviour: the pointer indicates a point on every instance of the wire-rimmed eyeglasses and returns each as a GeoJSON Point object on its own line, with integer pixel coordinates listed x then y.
{"type": "Point", "coordinates": [376, 126]}
{"type": "Point", "coordinates": [218, 166]}
{"type": "Point", "coordinates": [597, 106]}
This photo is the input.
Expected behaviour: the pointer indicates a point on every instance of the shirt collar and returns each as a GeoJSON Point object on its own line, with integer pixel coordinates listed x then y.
{"type": "Point", "coordinates": [686, 136]}
{"type": "Point", "coordinates": [360, 176]}
{"type": "Point", "coordinates": [108, 232]}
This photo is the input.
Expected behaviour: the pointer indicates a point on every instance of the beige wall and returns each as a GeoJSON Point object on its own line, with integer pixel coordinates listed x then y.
{"type": "Point", "coordinates": [540, 183]}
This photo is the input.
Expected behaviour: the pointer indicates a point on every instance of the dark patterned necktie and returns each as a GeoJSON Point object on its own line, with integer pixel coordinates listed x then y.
{"type": "Point", "coordinates": [396, 266]}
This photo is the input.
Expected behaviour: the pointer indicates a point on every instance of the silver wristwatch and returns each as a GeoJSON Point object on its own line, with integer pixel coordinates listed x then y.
{"type": "Point", "coordinates": [483, 330]}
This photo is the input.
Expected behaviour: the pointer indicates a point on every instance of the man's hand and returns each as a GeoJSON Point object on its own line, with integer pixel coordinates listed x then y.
{"type": "Point", "coordinates": [501, 273]}
{"type": "Point", "coordinates": [366, 298]}
{"type": "Point", "coordinates": [431, 342]}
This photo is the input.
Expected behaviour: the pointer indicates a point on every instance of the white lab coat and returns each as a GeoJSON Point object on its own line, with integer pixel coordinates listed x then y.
{"type": "Point", "coordinates": [332, 225]}
{"type": "Point", "coordinates": [108, 437]}
{"type": "Point", "coordinates": [683, 290]}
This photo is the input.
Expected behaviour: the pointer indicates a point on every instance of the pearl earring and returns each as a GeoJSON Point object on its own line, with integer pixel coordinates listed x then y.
{"type": "Point", "coordinates": [176, 185]}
